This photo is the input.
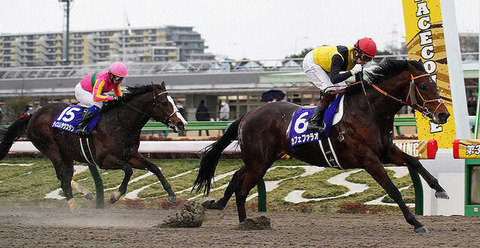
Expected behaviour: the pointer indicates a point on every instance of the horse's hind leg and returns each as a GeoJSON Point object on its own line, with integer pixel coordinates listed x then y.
{"type": "Point", "coordinates": [249, 181]}
{"type": "Point", "coordinates": [401, 158]}
{"type": "Point", "coordinates": [141, 162]}
{"type": "Point", "coordinates": [376, 170]}
{"type": "Point", "coordinates": [233, 185]}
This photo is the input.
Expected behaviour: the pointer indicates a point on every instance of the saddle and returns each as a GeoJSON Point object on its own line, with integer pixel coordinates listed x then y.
{"type": "Point", "coordinates": [69, 118]}
{"type": "Point", "coordinates": [299, 135]}
{"type": "Point", "coordinates": [298, 126]}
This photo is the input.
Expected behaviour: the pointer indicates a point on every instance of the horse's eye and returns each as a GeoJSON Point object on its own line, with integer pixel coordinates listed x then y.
{"type": "Point", "coordinates": [164, 104]}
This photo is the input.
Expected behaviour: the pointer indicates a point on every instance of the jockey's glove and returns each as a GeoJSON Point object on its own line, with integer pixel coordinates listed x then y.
{"type": "Point", "coordinates": [115, 98]}
{"type": "Point", "coordinates": [356, 69]}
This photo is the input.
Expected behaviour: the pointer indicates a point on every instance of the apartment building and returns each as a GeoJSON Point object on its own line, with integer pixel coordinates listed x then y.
{"type": "Point", "coordinates": [155, 44]}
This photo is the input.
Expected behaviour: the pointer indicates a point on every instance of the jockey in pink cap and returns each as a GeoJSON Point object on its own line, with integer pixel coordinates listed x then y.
{"type": "Point", "coordinates": [91, 91]}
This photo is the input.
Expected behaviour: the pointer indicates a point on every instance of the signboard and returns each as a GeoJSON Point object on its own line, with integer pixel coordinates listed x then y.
{"type": "Point", "coordinates": [421, 149]}
{"type": "Point", "coordinates": [425, 42]}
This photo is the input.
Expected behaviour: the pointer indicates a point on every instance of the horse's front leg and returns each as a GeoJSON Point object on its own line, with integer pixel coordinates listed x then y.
{"type": "Point", "coordinates": [402, 159]}
{"type": "Point", "coordinates": [114, 162]}
{"type": "Point", "coordinates": [142, 163]}
{"type": "Point", "coordinates": [64, 174]}
{"type": "Point", "coordinates": [83, 190]}
{"type": "Point", "coordinates": [376, 170]}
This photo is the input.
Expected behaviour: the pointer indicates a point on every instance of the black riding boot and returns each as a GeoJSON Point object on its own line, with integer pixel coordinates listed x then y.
{"type": "Point", "coordinates": [315, 122]}
{"type": "Point", "coordinates": [82, 129]}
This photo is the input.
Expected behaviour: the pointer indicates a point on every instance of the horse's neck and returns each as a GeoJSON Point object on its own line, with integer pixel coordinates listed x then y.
{"type": "Point", "coordinates": [384, 106]}
{"type": "Point", "coordinates": [132, 115]}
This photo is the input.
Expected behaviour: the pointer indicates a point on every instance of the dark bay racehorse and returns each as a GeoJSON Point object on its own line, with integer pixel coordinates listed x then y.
{"type": "Point", "coordinates": [114, 142]}
{"type": "Point", "coordinates": [362, 139]}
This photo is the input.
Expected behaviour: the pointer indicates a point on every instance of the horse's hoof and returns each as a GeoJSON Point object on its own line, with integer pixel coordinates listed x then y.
{"type": "Point", "coordinates": [208, 203]}
{"type": "Point", "coordinates": [115, 196]}
{"type": "Point", "coordinates": [72, 204]}
{"type": "Point", "coordinates": [421, 229]}
{"type": "Point", "coordinates": [89, 196]}
{"type": "Point", "coordinates": [112, 199]}
{"type": "Point", "coordinates": [211, 204]}
{"type": "Point", "coordinates": [172, 199]}
{"type": "Point", "coordinates": [442, 195]}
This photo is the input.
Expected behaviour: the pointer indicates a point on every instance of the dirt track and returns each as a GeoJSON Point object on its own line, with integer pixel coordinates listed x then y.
{"type": "Point", "coordinates": [136, 228]}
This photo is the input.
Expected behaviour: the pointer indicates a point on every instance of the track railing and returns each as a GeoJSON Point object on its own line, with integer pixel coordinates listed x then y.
{"type": "Point", "coordinates": [152, 127]}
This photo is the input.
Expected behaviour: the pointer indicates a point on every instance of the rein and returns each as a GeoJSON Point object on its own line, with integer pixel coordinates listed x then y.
{"type": "Point", "coordinates": [411, 93]}
{"type": "Point", "coordinates": [154, 103]}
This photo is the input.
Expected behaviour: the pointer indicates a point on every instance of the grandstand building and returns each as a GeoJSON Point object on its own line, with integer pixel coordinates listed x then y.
{"type": "Point", "coordinates": [156, 44]}
{"type": "Point", "coordinates": [174, 55]}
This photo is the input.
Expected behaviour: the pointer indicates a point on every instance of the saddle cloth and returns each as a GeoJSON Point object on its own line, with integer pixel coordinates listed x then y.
{"type": "Point", "coordinates": [298, 127]}
{"type": "Point", "coordinates": [69, 118]}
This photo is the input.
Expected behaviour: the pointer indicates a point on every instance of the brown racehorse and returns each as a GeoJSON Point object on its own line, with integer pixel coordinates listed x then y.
{"type": "Point", "coordinates": [114, 142]}
{"type": "Point", "coordinates": [362, 139]}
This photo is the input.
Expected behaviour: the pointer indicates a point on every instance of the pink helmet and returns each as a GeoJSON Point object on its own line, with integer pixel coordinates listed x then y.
{"type": "Point", "coordinates": [118, 69]}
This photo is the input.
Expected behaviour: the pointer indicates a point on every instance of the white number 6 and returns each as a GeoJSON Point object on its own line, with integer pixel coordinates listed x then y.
{"type": "Point", "coordinates": [301, 123]}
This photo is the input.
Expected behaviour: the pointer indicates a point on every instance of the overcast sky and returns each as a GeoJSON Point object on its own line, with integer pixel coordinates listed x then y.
{"type": "Point", "coordinates": [266, 29]}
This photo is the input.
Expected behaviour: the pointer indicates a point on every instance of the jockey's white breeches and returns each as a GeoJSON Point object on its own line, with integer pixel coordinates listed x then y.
{"type": "Point", "coordinates": [85, 98]}
{"type": "Point", "coordinates": [318, 76]}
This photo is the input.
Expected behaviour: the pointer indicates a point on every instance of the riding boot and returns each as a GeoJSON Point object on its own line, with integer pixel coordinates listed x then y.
{"type": "Point", "coordinates": [83, 123]}
{"type": "Point", "coordinates": [315, 122]}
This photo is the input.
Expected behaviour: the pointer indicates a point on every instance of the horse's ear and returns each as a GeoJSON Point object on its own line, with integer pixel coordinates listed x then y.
{"type": "Point", "coordinates": [420, 60]}
{"type": "Point", "coordinates": [411, 68]}
{"type": "Point", "coordinates": [154, 88]}
{"type": "Point", "coordinates": [162, 86]}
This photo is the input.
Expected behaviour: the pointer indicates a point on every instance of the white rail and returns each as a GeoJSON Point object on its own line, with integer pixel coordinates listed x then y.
{"type": "Point", "coordinates": [146, 147]}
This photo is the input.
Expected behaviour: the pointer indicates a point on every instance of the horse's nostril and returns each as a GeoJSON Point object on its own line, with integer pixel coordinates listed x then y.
{"type": "Point", "coordinates": [180, 126]}
{"type": "Point", "coordinates": [443, 117]}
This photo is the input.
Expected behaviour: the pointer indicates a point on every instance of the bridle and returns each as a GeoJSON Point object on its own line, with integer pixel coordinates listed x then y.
{"type": "Point", "coordinates": [155, 103]}
{"type": "Point", "coordinates": [413, 99]}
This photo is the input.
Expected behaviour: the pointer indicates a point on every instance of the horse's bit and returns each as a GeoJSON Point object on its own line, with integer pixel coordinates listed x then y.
{"type": "Point", "coordinates": [411, 93]}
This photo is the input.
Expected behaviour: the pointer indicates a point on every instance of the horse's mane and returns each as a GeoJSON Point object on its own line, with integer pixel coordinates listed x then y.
{"type": "Point", "coordinates": [132, 92]}
{"type": "Point", "coordinates": [385, 70]}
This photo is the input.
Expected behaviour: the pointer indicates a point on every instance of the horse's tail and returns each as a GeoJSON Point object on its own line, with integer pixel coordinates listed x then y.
{"type": "Point", "coordinates": [210, 158]}
{"type": "Point", "coordinates": [12, 134]}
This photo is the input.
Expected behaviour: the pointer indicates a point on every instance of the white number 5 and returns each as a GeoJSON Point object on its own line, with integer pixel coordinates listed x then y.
{"type": "Point", "coordinates": [68, 114]}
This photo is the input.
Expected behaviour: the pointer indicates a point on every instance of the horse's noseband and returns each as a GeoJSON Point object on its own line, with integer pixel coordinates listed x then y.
{"type": "Point", "coordinates": [413, 99]}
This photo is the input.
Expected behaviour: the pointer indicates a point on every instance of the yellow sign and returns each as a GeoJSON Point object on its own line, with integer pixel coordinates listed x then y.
{"type": "Point", "coordinates": [466, 148]}
{"type": "Point", "coordinates": [421, 149]}
{"type": "Point", "coordinates": [425, 41]}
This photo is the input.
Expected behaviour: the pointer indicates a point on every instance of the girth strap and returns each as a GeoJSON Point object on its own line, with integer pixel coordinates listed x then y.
{"type": "Point", "coordinates": [87, 151]}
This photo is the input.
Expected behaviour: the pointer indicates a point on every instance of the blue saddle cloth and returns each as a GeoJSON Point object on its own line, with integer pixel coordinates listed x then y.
{"type": "Point", "coordinates": [69, 118]}
{"type": "Point", "coordinates": [298, 128]}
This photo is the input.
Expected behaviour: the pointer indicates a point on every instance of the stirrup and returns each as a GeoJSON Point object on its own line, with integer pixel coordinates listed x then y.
{"type": "Point", "coordinates": [83, 131]}
{"type": "Point", "coordinates": [313, 127]}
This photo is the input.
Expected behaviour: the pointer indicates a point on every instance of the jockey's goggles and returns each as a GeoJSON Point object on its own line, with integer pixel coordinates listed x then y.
{"type": "Point", "coordinates": [365, 58]}
{"type": "Point", "coordinates": [118, 78]}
